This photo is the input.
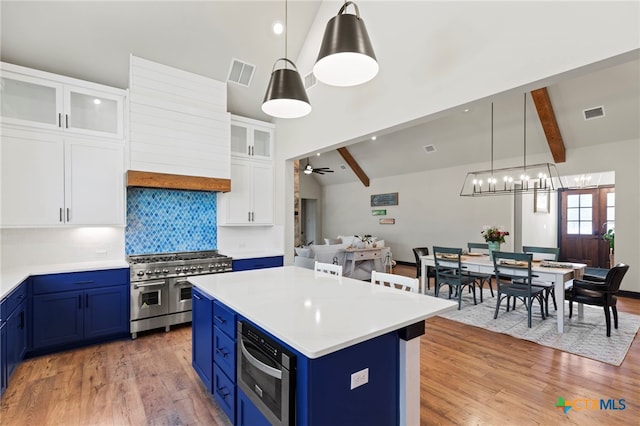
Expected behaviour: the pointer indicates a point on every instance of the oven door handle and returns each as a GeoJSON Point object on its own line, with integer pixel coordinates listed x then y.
{"type": "Point", "coordinates": [273, 372]}
{"type": "Point", "coordinates": [150, 284]}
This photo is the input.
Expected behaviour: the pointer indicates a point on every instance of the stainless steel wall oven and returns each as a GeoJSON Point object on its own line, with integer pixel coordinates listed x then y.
{"type": "Point", "coordinates": [266, 374]}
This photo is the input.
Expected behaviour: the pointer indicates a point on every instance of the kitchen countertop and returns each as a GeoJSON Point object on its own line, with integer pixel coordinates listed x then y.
{"type": "Point", "coordinates": [251, 254]}
{"type": "Point", "coordinates": [314, 313]}
{"type": "Point", "coordinates": [10, 278]}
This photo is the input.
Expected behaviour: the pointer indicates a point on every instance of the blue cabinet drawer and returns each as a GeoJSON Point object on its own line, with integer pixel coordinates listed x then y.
{"type": "Point", "coordinates": [224, 392]}
{"type": "Point", "coordinates": [12, 301]}
{"type": "Point", "coordinates": [224, 352]}
{"type": "Point", "coordinates": [42, 284]}
{"type": "Point", "coordinates": [257, 263]}
{"type": "Point", "coordinates": [224, 318]}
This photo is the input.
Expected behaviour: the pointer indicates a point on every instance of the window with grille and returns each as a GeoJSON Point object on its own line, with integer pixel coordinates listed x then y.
{"type": "Point", "coordinates": [611, 211]}
{"type": "Point", "coordinates": [580, 214]}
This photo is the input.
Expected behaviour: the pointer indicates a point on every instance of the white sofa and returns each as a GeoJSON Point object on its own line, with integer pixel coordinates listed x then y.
{"type": "Point", "coordinates": [335, 253]}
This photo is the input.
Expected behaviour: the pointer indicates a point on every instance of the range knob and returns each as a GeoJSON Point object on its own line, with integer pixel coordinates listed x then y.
{"type": "Point", "coordinates": [200, 267]}
{"type": "Point", "coordinates": [140, 273]}
{"type": "Point", "coordinates": [178, 270]}
{"type": "Point", "coordinates": [157, 271]}
{"type": "Point", "coordinates": [165, 271]}
{"type": "Point", "coordinates": [149, 272]}
{"type": "Point", "coordinates": [193, 268]}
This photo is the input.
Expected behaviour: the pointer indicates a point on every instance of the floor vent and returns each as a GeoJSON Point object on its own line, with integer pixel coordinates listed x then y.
{"type": "Point", "coordinates": [429, 149]}
{"type": "Point", "coordinates": [592, 113]}
{"type": "Point", "coordinates": [240, 72]}
{"type": "Point", "coordinates": [310, 80]}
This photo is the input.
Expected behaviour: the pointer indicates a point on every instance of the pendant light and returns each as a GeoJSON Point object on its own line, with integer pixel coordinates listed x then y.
{"type": "Point", "coordinates": [524, 178]}
{"type": "Point", "coordinates": [286, 96]}
{"type": "Point", "coordinates": [346, 57]}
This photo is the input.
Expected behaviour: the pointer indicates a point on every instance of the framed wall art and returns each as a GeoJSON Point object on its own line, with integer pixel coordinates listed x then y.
{"type": "Point", "coordinates": [541, 200]}
{"type": "Point", "coordinates": [390, 199]}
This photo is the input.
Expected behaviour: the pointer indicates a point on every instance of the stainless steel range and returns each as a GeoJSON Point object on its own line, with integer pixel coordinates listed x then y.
{"type": "Point", "coordinates": [160, 291]}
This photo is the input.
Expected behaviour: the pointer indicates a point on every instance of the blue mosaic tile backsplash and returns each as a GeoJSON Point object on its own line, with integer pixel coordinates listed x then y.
{"type": "Point", "coordinates": [167, 220]}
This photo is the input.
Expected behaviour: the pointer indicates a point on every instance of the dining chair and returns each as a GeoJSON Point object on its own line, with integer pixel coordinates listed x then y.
{"type": "Point", "coordinates": [328, 268]}
{"type": "Point", "coordinates": [431, 271]}
{"type": "Point", "coordinates": [481, 277]}
{"type": "Point", "coordinates": [599, 293]}
{"type": "Point", "coordinates": [514, 279]}
{"type": "Point", "coordinates": [449, 271]}
{"type": "Point", "coordinates": [545, 253]}
{"type": "Point", "coordinates": [399, 282]}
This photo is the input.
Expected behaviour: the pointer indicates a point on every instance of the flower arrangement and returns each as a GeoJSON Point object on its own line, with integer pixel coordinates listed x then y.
{"type": "Point", "coordinates": [610, 236]}
{"type": "Point", "coordinates": [365, 238]}
{"type": "Point", "coordinates": [494, 234]}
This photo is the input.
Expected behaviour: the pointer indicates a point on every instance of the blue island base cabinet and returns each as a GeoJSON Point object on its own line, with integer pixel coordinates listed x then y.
{"type": "Point", "coordinates": [248, 414]}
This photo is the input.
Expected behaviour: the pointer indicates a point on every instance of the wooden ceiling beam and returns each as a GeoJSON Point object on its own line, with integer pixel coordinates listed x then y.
{"type": "Point", "coordinates": [344, 152]}
{"type": "Point", "coordinates": [549, 124]}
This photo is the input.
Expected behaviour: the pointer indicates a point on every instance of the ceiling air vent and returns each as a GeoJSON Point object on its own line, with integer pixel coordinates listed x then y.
{"type": "Point", "coordinates": [429, 149]}
{"type": "Point", "coordinates": [310, 80]}
{"type": "Point", "coordinates": [592, 113]}
{"type": "Point", "coordinates": [342, 167]}
{"type": "Point", "coordinates": [240, 72]}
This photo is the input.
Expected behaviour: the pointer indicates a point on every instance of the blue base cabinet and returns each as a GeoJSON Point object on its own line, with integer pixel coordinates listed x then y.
{"type": "Point", "coordinates": [323, 385]}
{"type": "Point", "coordinates": [202, 336]}
{"type": "Point", "coordinates": [13, 333]}
{"type": "Point", "coordinates": [73, 309]}
{"type": "Point", "coordinates": [257, 263]}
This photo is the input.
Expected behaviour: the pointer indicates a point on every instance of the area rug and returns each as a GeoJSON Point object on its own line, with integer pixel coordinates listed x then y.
{"type": "Point", "coordinates": [585, 336]}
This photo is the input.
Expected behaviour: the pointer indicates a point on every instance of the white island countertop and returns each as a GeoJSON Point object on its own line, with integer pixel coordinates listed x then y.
{"type": "Point", "coordinates": [314, 313]}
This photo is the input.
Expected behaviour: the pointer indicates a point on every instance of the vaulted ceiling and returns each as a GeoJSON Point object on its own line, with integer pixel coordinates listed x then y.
{"type": "Point", "coordinates": [93, 40]}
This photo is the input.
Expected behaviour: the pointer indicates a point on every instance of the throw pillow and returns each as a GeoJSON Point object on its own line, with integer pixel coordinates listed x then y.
{"type": "Point", "coordinates": [303, 251]}
{"type": "Point", "coordinates": [331, 241]}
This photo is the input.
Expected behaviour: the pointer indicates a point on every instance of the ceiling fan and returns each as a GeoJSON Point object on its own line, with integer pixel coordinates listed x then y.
{"type": "Point", "coordinates": [308, 169]}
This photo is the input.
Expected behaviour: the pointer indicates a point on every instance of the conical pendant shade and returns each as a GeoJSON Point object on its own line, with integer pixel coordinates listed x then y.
{"type": "Point", "coordinates": [346, 56]}
{"type": "Point", "coordinates": [286, 97]}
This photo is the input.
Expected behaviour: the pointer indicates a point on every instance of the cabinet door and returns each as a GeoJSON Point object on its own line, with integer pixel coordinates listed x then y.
{"type": "Point", "coordinates": [262, 194]}
{"type": "Point", "coordinates": [32, 178]}
{"type": "Point", "coordinates": [16, 339]}
{"type": "Point", "coordinates": [247, 413]}
{"type": "Point", "coordinates": [57, 318]}
{"type": "Point", "coordinates": [30, 101]}
{"type": "Point", "coordinates": [202, 337]}
{"type": "Point", "coordinates": [262, 143]}
{"type": "Point", "coordinates": [106, 311]}
{"type": "Point", "coordinates": [240, 144]}
{"type": "Point", "coordinates": [93, 112]}
{"type": "Point", "coordinates": [239, 202]}
{"type": "Point", "coordinates": [94, 182]}
{"type": "Point", "coordinates": [3, 358]}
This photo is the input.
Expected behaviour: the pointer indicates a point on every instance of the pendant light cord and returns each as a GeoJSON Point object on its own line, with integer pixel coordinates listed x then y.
{"type": "Point", "coordinates": [491, 139]}
{"type": "Point", "coordinates": [286, 30]}
{"type": "Point", "coordinates": [524, 108]}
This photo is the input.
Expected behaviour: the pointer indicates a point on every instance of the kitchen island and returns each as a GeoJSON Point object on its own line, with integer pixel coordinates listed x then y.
{"type": "Point", "coordinates": [336, 326]}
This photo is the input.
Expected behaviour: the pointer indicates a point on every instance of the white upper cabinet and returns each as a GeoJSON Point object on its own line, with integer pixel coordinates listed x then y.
{"type": "Point", "coordinates": [47, 101]}
{"type": "Point", "coordinates": [251, 138]}
{"type": "Point", "coordinates": [49, 179]}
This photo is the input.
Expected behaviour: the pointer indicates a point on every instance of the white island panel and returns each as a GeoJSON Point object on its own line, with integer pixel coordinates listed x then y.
{"type": "Point", "coordinates": [314, 313]}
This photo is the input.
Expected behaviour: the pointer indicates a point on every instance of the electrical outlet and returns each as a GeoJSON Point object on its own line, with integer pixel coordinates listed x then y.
{"type": "Point", "coordinates": [359, 378]}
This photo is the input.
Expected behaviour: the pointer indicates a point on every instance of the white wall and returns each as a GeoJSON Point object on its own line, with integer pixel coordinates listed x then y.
{"type": "Point", "coordinates": [539, 229]}
{"type": "Point", "coordinates": [45, 246]}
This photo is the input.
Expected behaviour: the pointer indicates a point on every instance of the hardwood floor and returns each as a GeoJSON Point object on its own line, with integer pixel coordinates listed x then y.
{"type": "Point", "coordinates": [469, 376]}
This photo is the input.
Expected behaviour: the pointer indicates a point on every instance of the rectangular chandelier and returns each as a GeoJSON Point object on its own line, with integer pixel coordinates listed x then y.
{"type": "Point", "coordinates": [511, 180]}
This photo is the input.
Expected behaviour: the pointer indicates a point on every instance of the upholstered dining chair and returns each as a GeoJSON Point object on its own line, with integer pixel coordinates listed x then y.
{"type": "Point", "coordinates": [545, 253]}
{"type": "Point", "coordinates": [328, 268]}
{"type": "Point", "coordinates": [449, 271]}
{"type": "Point", "coordinates": [431, 271]}
{"type": "Point", "coordinates": [599, 293]}
{"type": "Point", "coordinates": [399, 282]}
{"type": "Point", "coordinates": [482, 278]}
{"type": "Point", "coordinates": [514, 279]}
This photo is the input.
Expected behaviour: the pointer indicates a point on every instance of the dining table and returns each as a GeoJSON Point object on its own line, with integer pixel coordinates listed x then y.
{"type": "Point", "coordinates": [561, 274]}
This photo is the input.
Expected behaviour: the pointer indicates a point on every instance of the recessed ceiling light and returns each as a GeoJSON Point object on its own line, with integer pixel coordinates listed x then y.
{"type": "Point", "coordinates": [97, 101]}
{"type": "Point", "coordinates": [373, 138]}
{"type": "Point", "coordinates": [467, 110]}
{"type": "Point", "coordinates": [278, 28]}
{"type": "Point", "coordinates": [318, 154]}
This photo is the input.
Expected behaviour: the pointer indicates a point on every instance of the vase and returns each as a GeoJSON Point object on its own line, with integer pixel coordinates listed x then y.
{"type": "Point", "coordinates": [493, 246]}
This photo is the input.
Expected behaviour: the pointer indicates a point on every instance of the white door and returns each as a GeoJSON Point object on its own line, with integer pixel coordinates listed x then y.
{"type": "Point", "coordinates": [93, 112]}
{"type": "Point", "coordinates": [94, 183]}
{"type": "Point", "coordinates": [262, 194]}
{"type": "Point", "coordinates": [32, 178]}
{"type": "Point", "coordinates": [238, 200]}
{"type": "Point", "coordinates": [30, 101]}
